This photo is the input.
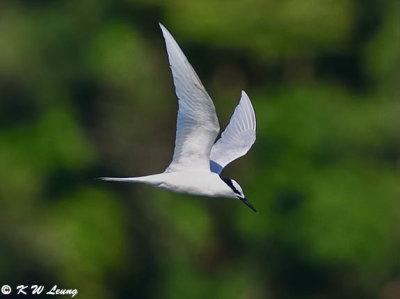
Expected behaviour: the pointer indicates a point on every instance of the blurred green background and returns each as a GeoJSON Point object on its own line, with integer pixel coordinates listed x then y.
{"type": "Point", "coordinates": [86, 91]}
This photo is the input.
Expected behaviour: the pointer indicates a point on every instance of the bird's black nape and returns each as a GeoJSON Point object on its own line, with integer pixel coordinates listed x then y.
{"type": "Point", "coordinates": [230, 184]}
{"type": "Point", "coordinates": [247, 203]}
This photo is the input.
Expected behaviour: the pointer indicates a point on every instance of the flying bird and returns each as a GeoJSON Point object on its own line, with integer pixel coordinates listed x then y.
{"type": "Point", "coordinates": [198, 160]}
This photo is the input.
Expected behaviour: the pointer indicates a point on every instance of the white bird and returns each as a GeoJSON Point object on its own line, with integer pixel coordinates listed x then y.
{"type": "Point", "coordinates": [198, 161]}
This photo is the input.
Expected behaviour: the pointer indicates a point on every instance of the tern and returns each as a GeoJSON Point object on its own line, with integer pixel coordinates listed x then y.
{"type": "Point", "coordinates": [198, 160]}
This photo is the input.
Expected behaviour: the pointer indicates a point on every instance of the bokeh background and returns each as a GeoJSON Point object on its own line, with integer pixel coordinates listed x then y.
{"type": "Point", "coordinates": [86, 91]}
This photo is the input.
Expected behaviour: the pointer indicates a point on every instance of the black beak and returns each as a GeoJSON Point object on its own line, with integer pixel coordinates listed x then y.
{"type": "Point", "coordinates": [244, 199]}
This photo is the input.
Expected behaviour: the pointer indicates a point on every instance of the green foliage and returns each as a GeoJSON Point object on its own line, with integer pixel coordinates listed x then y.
{"type": "Point", "coordinates": [271, 29]}
{"type": "Point", "coordinates": [86, 91]}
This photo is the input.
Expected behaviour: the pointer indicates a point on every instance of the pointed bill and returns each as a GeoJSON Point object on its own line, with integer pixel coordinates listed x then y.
{"type": "Point", "coordinates": [248, 203]}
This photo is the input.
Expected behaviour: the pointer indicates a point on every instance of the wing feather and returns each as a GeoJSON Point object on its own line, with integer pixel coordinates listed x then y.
{"type": "Point", "coordinates": [197, 122]}
{"type": "Point", "coordinates": [238, 137]}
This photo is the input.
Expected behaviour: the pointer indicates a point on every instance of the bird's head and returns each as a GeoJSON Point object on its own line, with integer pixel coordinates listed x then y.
{"type": "Point", "coordinates": [238, 192]}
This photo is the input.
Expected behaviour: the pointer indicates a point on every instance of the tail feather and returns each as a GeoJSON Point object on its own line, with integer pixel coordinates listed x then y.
{"type": "Point", "coordinates": [153, 179]}
{"type": "Point", "coordinates": [127, 180]}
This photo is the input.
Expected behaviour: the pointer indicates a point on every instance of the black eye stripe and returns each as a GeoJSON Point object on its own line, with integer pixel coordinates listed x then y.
{"type": "Point", "coordinates": [230, 184]}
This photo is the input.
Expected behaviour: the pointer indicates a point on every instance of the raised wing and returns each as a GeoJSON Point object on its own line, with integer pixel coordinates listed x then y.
{"type": "Point", "coordinates": [197, 124]}
{"type": "Point", "coordinates": [237, 138]}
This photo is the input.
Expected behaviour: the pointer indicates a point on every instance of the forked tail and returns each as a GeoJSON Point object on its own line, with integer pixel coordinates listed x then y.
{"type": "Point", "coordinates": [154, 180]}
{"type": "Point", "coordinates": [126, 180]}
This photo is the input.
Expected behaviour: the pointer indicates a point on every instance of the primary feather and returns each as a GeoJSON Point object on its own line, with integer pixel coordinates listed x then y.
{"type": "Point", "coordinates": [237, 138]}
{"type": "Point", "coordinates": [197, 123]}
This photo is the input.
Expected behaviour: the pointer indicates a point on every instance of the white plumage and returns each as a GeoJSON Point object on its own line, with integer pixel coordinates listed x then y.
{"type": "Point", "coordinates": [198, 161]}
{"type": "Point", "coordinates": [237, 138]}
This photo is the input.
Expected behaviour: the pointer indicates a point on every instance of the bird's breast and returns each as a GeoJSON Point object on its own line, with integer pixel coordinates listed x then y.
{"type": "Point", "coordinates": [195, 183]}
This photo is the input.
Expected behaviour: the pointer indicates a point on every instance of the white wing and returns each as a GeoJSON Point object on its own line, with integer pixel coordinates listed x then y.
{"type": "Point", "coordinates": [237, 138]}
{"type": "Point", "coordinates": [197, 124]}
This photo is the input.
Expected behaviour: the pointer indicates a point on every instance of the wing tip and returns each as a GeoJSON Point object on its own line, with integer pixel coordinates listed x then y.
{"type": "Point", "coordinates": [244, 96]}
{"type": "Point", "coordinates": [247, 100]}
{"type": "Point", "coordinates": [163, 29]}
{"type": "Point", "coordinates": [170, 41]}
{"type": "Point", "coordinates": [167, 35]}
